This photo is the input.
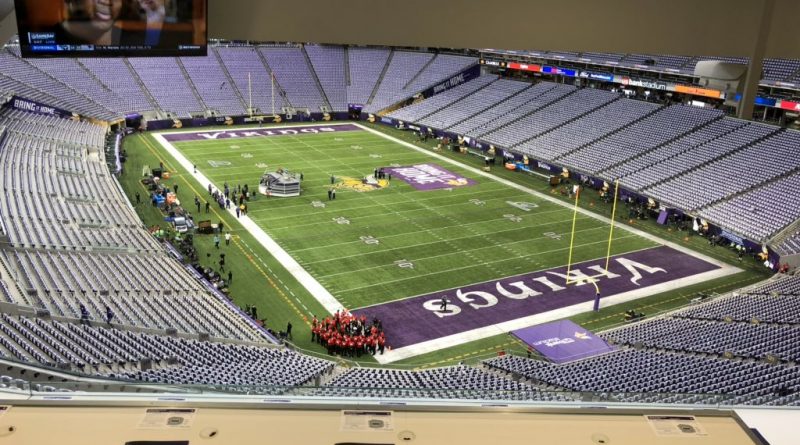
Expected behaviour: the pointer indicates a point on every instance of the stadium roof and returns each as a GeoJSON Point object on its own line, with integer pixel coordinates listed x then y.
{"type": "Point", "coordinates": [685, 27]}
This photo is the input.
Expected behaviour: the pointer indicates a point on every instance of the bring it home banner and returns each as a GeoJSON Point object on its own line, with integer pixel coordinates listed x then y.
{"type": "Point", "coordinates": [31, 106]}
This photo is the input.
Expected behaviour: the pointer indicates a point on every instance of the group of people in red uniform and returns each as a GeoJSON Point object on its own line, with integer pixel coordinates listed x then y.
{"type": "Point", "coordinates": [348, 335]}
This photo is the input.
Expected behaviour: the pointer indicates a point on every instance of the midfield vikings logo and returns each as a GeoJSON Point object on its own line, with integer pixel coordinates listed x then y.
{"type": "Point", "coordinates": [458, 182]}
{"type": "Point", "coordinates": [367, 184]}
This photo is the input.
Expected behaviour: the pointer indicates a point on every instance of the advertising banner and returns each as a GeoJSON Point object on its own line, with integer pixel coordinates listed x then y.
{"type": "Point", "coordinates": [560, 71]}
{"type": "Point", "coordinates": [696, 91]}
{"type": "Point", "coordinates": [460, 78]}
{"type": "Point", "coordinates": [524, 67]}
{"type": "Point", "coordinates": [760, 100]}
{"type": "Point", "coordinates": [31, 106]}
{"type": "Point", "coordinates": [596, 76]}
{"type": "Point", "coordinates": [497, 63]}
{"type": "Point", "coordinates": [789, 105]}
{"type": "Point", "coordinates": [652, 84]}
{"type": "Point", "coordinates": [765, 101]}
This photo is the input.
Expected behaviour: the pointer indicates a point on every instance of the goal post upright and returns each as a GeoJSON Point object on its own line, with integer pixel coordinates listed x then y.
{"type": "Point", "coordinates": [613, 220]}
{"type": "Point", "coordinates": [572, 235]}
{"type": "Point", "coordinates": [250, 95]}
{"type": "Point", "coordinates": [592, 279]}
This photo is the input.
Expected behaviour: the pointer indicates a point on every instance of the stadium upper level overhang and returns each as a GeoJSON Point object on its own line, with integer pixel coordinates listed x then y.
{"type": "Point", "coordinates": [683, 27]}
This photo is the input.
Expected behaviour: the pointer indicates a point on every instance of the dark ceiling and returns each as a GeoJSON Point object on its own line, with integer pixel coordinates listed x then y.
{"type": "Point", "coordinates": [686, 27]}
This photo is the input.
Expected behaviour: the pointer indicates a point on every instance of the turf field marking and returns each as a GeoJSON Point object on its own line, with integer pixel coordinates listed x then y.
{"type": "Point", "coordinates": [272, 283]}
{"type": "Point", "coordinates": [362, 212]}
{"type": "Point", "coordinates": [366, 217]}
{"type": "Point", "coordinates": [338, 258]}
{"type": "Point", "coordinates": [416, 277]}
{"type": "Point", "coordinates": [556, 201]}
{"type": "Point", "coordinates": [238, 241]}
{"type": "Point", "coordinates": [321, 294]}
{"type": "Point", "coordinates": [407, 234]}
{"type": "Point", "coordinates": [415, 222]}
{"type": "Point", "coordinates": [432, 198]}
{"type": "Point", "coordinates": [271, 150]}
{"type": "Point", "coordinates": [512, 185]}
{"type": "Point", "coordinates": [469, 227]}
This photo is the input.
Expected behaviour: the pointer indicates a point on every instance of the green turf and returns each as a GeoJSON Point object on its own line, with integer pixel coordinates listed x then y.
{"type": "Point", "coordinates": [450, 240]}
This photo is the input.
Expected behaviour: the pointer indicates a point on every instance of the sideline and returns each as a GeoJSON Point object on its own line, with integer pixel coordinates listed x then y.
{"type": "Point", "coordinates": [325, 298]}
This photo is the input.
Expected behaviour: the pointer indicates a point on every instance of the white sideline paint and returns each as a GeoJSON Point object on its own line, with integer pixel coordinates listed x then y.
{"type": "Point", "coordinates": [325, 298]}
{"type": "Point", "coordinates": [329, 302]}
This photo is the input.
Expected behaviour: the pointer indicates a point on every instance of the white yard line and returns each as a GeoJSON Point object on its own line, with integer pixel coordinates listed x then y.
{"type": "Point", "coordinates": [373, 218]}
{"type": "Point", "coordinates": [485, 263]}
{"type": "Point", "coordinates": [458, 238]}
{"type": "Point", "coordinates": [371, 206]}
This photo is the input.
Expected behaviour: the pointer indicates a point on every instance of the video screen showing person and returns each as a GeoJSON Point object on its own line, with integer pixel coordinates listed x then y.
{"type": "Point", "coordinates": [108, 28]}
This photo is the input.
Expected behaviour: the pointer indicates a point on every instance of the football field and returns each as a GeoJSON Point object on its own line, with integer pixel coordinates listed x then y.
{"type": "Point", "coordinates": [437, 229]}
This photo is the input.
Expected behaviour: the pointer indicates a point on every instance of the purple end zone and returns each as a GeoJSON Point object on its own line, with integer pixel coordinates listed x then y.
{"type": "Point", "coordinates": [419, 319]}
{"type": "Point", "coordinates": [563, 341]}
{"type": "Point", "coordinates": [258, 132]}
{"type": "Point", "coordinates": [429, 177]}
